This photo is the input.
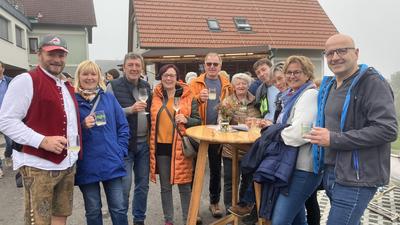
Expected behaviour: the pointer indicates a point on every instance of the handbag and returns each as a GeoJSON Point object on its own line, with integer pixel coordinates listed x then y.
{"type": "Point", "coordinates": [189, 145]}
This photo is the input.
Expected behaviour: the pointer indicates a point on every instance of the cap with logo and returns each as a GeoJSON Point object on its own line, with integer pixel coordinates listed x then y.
{"type": "Point", "coordinates": [53, 42]}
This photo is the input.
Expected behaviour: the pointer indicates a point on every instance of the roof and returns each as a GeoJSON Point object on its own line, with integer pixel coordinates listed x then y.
{"type": "Point", "coordinates": [291, 24]}
{"type": "Point", "coordinates": [13, 10]}
{"type": "Point", "coordinates": [61, 12]}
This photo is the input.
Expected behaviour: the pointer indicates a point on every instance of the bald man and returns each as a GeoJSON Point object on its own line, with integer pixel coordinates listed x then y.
{"type": "Point", "coordinates": [356, 123]}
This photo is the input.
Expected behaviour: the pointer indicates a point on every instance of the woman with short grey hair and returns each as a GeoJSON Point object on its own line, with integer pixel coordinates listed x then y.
{"type": "Point", "coordinates": [244, 103]}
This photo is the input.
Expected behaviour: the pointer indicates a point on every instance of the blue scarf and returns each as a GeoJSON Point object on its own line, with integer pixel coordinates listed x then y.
{"type": "Point", "coordinates": [290, 98]}
{"type": "Point", "coordinates": [326, 85]}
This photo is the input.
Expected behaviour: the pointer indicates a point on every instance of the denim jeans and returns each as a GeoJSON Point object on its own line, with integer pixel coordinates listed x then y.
{"type": "Point", "coordinates": [289, 208]}
{"type": "Point", "coordinates": [139, 162]}
{"type": "Point", "coordinates": [347, 202]}
{"type": "Point", "coordinates": [164, 170]}
{"type": "Point", "coordinates": [245, 183]}
{"type": "Point", "coordinates": [8, 151]}
{"type": "Point", "coordinates": [92, 199]}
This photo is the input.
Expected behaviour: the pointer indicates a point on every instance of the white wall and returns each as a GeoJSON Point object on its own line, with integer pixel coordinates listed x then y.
{"type": "Point", "coordinates": [10, 53]}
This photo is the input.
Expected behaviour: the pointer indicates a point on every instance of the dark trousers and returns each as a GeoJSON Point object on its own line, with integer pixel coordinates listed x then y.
{"type": "Point", "coordinates": [312, 207]}
{"type": "Point", "coordinates": [214, 162]}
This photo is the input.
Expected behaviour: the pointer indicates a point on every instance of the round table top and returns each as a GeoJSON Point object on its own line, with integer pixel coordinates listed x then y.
{"type": "Point", "coordinates": [212, 135]}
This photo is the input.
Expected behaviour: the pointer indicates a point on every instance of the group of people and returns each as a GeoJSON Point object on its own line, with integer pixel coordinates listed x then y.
{"type": "Point", "coordinates": [91, 132]}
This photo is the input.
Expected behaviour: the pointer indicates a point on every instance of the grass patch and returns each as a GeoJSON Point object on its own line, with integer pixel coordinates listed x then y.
{"type": "Point", "coordinates": [396, 146]}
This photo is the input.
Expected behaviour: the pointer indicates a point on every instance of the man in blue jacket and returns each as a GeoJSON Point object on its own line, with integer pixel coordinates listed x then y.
{"type": "Point", "coordinates": [356, 123]}
{"type": "Point", "coordinates": [4, 81]}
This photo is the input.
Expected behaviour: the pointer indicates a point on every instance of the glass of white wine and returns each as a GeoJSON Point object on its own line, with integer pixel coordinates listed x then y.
{"type": "Point", "coordinates": [73, 143]}
{"type": "Point", "coordinates": [176, 105]}
{"type": "Point", "coordinates": [143, 97]}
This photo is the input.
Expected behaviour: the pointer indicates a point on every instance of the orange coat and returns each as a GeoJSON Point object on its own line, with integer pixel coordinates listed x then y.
{"type": "Point", "coordinates": [199, 84]}
{"type": "Point", "coordinates": [181, 167]}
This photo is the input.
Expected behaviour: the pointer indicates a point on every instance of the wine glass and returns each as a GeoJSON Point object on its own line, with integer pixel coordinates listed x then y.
{"type": "Point", "coordinates": [143, 97]}
{"type": "Point", "coordinates": [176, 105]}
{"type": "Point", "coordinates": [73, 143]}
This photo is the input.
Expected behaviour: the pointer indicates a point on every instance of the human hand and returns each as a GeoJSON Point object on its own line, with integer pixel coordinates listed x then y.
{"type": "Point", "coordinates": [319, 136]}
{"type": "Point", "coordinates": [180, 118]}
{"type": "Point", "coordinates": [139, 107]}
{"type": "Point", "coordinates": [55, 144]}
{"type": "Point", "coordinates": [264, 123]}
{"type": "Point", "coordinates": [203, 95]}
{"type": "Point", "coordinates": [89, 121]}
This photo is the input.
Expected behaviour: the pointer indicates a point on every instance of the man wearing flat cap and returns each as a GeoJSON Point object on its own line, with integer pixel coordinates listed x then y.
{"type": "Point", "coordinates": [40, 113]}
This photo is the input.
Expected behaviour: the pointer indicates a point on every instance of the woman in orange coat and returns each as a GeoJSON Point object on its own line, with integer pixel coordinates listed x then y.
{"type": "Point", "coordinates": [166, 153]}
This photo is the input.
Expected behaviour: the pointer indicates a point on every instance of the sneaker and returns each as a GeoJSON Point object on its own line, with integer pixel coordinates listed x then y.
{"type": "Point", "coordinates": [138, 223]}
{"type": "Point", "coordinates": [8, 162]}
{"type": "Point", "coordinates": [240, 211]}
{"type": "Point", "coordinates": [215, 210]}
{"type": "Point", "coordinates": [1, 173]}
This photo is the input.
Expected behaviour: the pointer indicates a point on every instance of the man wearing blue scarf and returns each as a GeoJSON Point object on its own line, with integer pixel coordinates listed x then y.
{"type": "Point", "coordinates": [356, 123]}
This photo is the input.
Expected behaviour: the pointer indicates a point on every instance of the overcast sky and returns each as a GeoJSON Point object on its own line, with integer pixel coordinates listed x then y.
{"type": "Point", "coordinates": [374, 25]}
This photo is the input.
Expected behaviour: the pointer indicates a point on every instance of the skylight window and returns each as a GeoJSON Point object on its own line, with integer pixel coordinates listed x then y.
{"type": "Point", "coordinates": [213, 25]}
{"type": "Point", "coordinates": [242, 24]}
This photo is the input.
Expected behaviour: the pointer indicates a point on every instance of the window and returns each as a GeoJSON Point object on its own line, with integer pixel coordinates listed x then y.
{"type": "Point", "coordinates": [4, 28]}
{"type": "Point", "coordinates": [33, 45]}
{"type": "Point", "coordinates": [213, 25]}
{"type": "Point", "coordinates": [242, 24]}
{"type": "Point", "coordinates": [19, 36]}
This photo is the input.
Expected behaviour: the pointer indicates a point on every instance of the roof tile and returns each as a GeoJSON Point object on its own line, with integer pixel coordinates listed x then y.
{"type": "Point", "coordinates": [278, 23]}
{"type": "Point", "coordinates": [65, 12]}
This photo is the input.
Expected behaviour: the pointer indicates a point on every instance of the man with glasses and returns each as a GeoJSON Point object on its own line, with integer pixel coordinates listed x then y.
{"type": "Point", "coordinates": [126, 90]}
{"type": "Point", "coordinates": [211, 80]}
{"type": "Point", "coordinates": [355, 125]}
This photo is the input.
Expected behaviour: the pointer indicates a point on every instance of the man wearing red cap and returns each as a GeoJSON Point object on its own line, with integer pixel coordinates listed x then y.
{"type": "Point", "coordinates": [41, 114]}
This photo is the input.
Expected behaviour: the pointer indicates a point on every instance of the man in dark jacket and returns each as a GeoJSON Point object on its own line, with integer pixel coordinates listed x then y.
{"type": "Point", "coordinates": [356, 123]}
{"type": "Point", "coordinates": [127, 90]}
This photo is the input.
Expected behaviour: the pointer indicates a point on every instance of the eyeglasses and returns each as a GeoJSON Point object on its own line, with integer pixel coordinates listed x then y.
{"type": "Point", "coordinates": [339, 51]}
{"type": "Point", "coordinates": [293, 73]}
{"type": "Point", "coordinates": [171, 75]}
{"type": "Point", "coordinates": [209, 64]}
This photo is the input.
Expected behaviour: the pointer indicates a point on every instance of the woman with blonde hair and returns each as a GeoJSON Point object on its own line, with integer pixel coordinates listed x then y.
{"type": "Point", "coordinates": [300, 111]}
{"type": "Point", "coordinates": [105, 135]}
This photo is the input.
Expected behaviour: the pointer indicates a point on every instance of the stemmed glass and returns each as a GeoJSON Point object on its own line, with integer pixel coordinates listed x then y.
{"type": "Point", "coordinates": [73, 143]}
{"type": "Point", "coordinates": [143, 97]}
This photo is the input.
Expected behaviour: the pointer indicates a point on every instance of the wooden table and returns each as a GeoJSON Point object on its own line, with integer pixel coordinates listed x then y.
{"type": "Point", "coordinates": [209, 135]}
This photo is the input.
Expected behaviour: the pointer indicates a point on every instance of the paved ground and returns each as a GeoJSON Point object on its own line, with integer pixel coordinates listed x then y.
{"type": "Point", "coordinates": [11, 202]}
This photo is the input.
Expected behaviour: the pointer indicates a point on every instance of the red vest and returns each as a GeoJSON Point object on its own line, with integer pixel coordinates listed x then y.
{"type": "Point", "coordinates": [46, 113]}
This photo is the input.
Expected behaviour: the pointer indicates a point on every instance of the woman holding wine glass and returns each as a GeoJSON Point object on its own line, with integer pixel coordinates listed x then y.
{"type": "Point", "coordinates": [105, 135]}
{"type": "Point", "coordinates": [172, 108]}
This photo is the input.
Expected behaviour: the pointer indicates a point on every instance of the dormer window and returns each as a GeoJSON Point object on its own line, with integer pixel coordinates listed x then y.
{"type": "Point", "coordinates": [242, 24]}
{"type": "Point", "coordinates": [213, 25]}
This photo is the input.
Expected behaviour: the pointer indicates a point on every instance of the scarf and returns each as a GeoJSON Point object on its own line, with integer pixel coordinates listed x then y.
{"type": "Point", "coordinates": [88, 95]}
{"type": "Point", "coordinates": [289, 100]}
